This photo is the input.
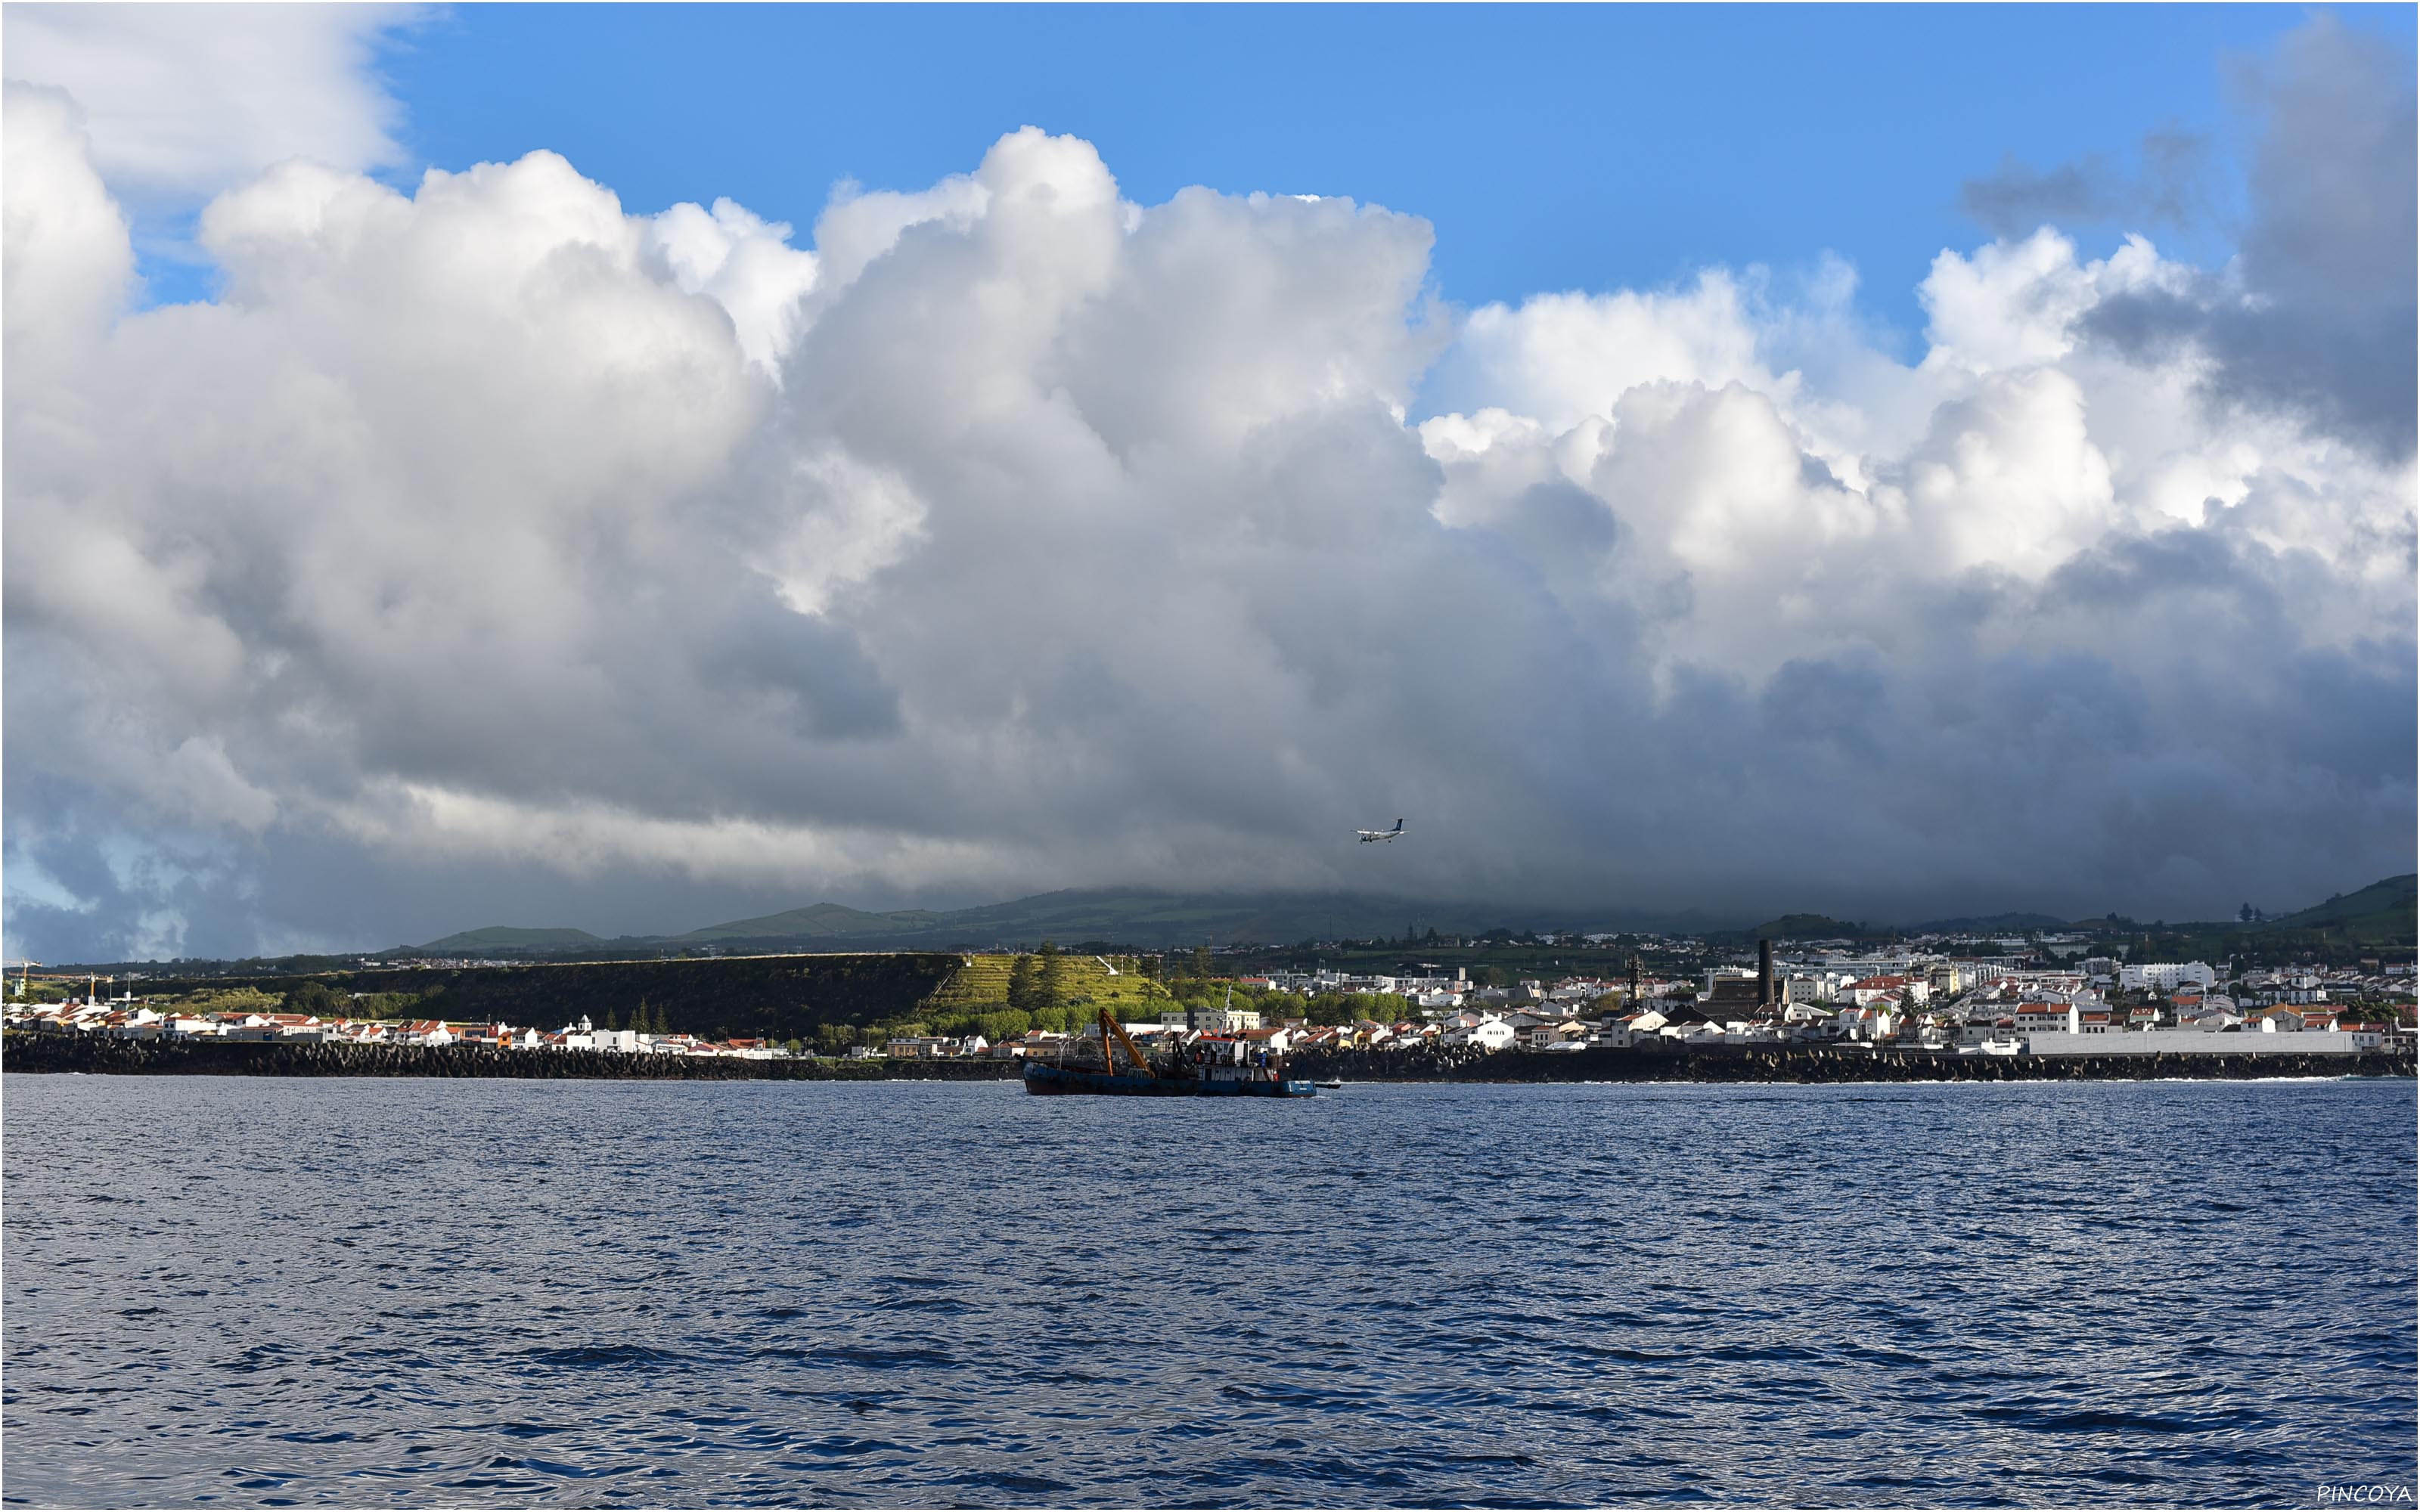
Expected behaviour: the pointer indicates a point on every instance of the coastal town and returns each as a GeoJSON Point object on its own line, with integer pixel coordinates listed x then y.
{"type": "Point", "coordinates": [1904, 1000]}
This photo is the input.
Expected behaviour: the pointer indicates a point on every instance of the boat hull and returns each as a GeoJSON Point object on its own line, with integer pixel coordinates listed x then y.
{"type": "Point", "coordinates": [1050, 1081]}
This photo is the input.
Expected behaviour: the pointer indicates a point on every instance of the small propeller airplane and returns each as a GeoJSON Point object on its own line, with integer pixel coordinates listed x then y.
{"type": "Point", "coordinates": [1369, 834]}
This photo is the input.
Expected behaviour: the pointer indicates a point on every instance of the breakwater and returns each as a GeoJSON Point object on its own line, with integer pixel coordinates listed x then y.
{"type": "Point", "coordinates": [1815, 1063]}
{"type": "Point", "coordinates": [102, 1057]}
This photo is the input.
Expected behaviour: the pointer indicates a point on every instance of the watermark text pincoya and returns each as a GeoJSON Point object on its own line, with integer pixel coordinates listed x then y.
{"type": "Point", "coordinates": [2385, 1493]}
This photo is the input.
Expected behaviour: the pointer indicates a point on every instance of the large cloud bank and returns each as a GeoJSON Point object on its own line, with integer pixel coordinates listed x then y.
{"type": "Point", "coordinates": [490, 552]}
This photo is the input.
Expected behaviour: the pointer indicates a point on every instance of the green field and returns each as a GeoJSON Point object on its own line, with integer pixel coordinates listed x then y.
{"type": "Point", "coordinates": [981, 982]}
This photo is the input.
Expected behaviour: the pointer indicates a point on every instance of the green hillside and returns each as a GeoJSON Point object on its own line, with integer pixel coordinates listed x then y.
{"type": "Point", "coordinates": [981, 982]}
{"type": "Point", "coordinates": [2380, 914]}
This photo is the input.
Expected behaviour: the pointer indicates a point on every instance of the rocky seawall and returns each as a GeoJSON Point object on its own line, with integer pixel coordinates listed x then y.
{"type": "Point", "coordinates": [100, 1056]}
{"type": "Point", "coordinates": [1824, 1064]}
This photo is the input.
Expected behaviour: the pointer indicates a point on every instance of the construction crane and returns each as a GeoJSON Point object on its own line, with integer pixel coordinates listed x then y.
{"type": "Point", "coordinates": [1111, 1027]}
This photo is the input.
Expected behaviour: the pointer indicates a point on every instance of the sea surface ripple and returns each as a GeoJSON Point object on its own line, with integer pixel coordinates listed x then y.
{"type": "Point", "coordinates": [372, 1292]}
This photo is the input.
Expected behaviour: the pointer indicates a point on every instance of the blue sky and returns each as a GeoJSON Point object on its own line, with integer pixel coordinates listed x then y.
{"type": "Point", "coordinates": [1553, 147]}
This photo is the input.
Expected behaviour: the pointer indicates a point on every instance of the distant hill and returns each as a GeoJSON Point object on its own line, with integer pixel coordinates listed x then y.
{"type": "Point", "coordinates": [1808, 927]}
{"type": "Point", "coordinates": [1991, 924]}
{"type": "Point", "coordinates": [1134, 916]}
{"type": "Point", "coordinates": [499, 938]}
{"type": "Point", "coordinates": [1143, 918]}
{"type": "Point", "coordinates": [821, 921]}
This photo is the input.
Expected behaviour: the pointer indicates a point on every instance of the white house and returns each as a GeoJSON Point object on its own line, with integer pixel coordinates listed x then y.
{"type": "Point", "coordinates": [1224, 1020]}
{"type": "Point", "coordinates": [2042, 1018]}
{"type": "Point", "coordinates": [1866, 990]}
{"type": "Point", "coordinates": [1553, 1034]}
{"type": "Point", "coordinates": [1491, 1034]}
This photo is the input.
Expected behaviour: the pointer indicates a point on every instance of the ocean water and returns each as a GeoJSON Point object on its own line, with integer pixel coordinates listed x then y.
{"type": "Point", "coordinates": [436, 1293]}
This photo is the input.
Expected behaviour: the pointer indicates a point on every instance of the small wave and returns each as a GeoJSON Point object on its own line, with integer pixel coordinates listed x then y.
{"type": "Point", "coordinates": [598, 1356]}
{"type": "Point", "coordinates": [528, 1430]}
{"type": "Point", "coordinates": [943, 1305]}
{"type": "Point", "coordinates": [1762, 1353]}
{"type": "Point", "coordinates": [874, 1359]}
{"type": "Point", "coordinates": [840, 1447]}
{"type": "Point", "coordinates": [1627, 1356]}
{"type": "Point", "coordinates": [2100, 1420]}
{"type": "Point", "coordinates": [562, 1471]}
{"type": "Point", "coordinates": [1016, 1482]}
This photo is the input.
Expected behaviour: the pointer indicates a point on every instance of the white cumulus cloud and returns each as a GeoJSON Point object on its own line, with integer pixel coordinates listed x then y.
{"type": "Point", "coordinates": [187, 100]}
{"type": "Point", "coordinates": [485, 550]}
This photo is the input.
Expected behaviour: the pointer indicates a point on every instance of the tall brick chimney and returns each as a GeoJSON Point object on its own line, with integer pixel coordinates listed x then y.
{"type": "Point", "coordinates": [1764, 973]}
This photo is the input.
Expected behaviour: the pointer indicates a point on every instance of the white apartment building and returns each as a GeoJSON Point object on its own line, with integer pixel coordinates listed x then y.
{"type": "Point", "coordinates": [2164, 976]}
